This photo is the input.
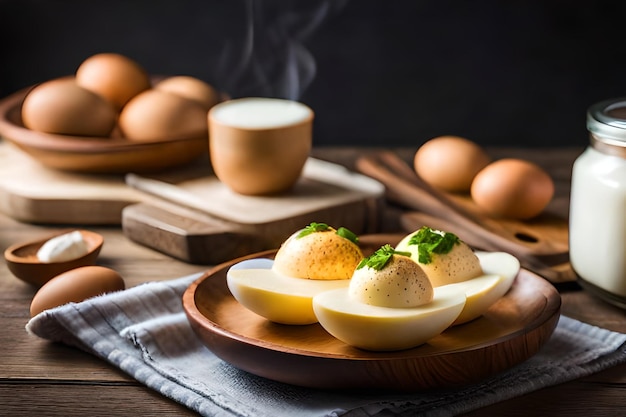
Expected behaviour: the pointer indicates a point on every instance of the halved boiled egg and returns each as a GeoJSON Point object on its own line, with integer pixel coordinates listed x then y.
{"type": "Point", "coordinates": [500, 270]}
{"type": "Point", "coordinates": [381, 328]}
{"type": "Point", "coordinates": [275, 296]}
{"type": "Point", "coordinates": [315, 258]}
{"type": "Point", "coordinates": [319, 252]}
{"type": "Point", "coordinates": [378, 328]}
{"type": "Point", "coordinates": [444, 257]}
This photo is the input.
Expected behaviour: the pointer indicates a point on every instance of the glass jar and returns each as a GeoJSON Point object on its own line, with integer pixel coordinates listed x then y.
{"type": "Point", "coordinates": [597, 222]}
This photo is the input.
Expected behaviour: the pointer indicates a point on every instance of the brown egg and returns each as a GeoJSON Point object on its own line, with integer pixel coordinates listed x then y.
{"type": "Point", "coordinates": [450, 163]}
{"type": "Point", "coordinates": [76, 285]}
{"type": "Point", "coordinates": [512, 188]}
{"type": "Point", "coordinates": [158, 115]}
{"type": "Point", "coordinates": [191, 88]}
{"type": "Point", "coordinates": [63, 107]}
{"type": "Point", "coordinates": [115, 77]}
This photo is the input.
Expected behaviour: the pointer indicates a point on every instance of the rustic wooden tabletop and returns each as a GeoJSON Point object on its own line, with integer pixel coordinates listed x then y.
{"type": "Point", "coordinates": [42, 378]}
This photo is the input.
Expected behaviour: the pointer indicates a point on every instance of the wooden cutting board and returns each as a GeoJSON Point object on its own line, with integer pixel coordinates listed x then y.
{"type": "Point", "coordinates": [213, 224]}
{"type": "Point", "coordinates": [32, 193]}
{"type": "Point", "coordinates": [199, 220]}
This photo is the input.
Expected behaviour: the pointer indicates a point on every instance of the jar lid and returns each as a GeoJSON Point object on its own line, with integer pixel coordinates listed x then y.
{"type": "Point", "coordinates": [607, 120]}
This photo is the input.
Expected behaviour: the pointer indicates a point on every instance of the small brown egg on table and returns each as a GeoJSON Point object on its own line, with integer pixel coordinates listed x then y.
{"type": "Point", "coordinates": [159, 115]}
{"type": "Point", "coordinates": [61, 106]}
{"type": "Point", "coordinates": [512, 188]}
{"type": "Point", "coordinates": [76, 285]}
{"type": "Point", "coordinates": [450, 163]}
{"type": "Point", "coordinates": [191, 88]}
{"type": "Point", "coordinates": [115, 77]}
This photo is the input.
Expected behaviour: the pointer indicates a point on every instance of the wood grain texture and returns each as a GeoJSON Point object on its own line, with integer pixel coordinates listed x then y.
{"type": "Point", "coordinates": [23, 262]}
{"type": "Point", "coordinates": [97, 398]}
{"type": "Point", "coordinates": [199, 220]}
{"type": "Point", "coordinates": [32, 193]}
{"type": "Point", "coordinates": [40, 378]}
{"type": "Point", "coordinates": [540, 243]}
{"type": "Point", "coordinates": [200, 238]}
{"type": "Point", "coordinates": [510, 332]}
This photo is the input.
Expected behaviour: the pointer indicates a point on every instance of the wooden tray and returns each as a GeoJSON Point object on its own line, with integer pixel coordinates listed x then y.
{"type": "Point", "coordinates": [510, 332]}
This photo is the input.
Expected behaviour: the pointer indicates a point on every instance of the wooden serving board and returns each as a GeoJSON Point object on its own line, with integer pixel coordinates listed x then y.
{"type": "Point", "coordinates": [32, 193]}
{"type": "Point", "coordinates": [211, 225]}
{"type": "Point", "coordinates": [199, 220]}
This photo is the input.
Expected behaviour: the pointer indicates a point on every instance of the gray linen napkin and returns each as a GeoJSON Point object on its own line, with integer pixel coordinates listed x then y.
{"type": "Point", "coordinates": [144, 332]}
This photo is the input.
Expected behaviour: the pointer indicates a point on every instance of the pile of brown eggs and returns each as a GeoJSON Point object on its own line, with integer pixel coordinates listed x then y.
{"type": "Point", "coordinates": [112, 95]}
{"type": "Point", "coordinates": [506, 188]}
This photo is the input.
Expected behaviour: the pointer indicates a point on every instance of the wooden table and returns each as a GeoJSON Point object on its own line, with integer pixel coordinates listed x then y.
{"type": "Point", "coordinates": [42, 378]}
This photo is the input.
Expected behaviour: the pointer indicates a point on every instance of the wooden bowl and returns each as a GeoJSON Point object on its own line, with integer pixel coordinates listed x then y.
{"type": "Point", "coordinates": [113, 155]}
{"type": "Point", "coordinates": [512, 330]}
{"type": "Point", "coordinates": [22, 260]}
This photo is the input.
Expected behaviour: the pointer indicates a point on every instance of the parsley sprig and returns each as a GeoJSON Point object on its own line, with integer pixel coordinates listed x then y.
{"type": "Point", "coordinates": [323, 227]}
{"type": "Point", "coordinates": [313, 228]}
{"type": "Point", "coordinates": [431, 242]}
{"type": "Point", "coordinates": [348, 234]}
{"type": "Point", "coordinates": [380, 258]}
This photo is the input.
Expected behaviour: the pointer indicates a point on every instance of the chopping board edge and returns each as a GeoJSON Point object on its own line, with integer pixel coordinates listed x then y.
{"type": "Point", "coordinates": [200, 238]}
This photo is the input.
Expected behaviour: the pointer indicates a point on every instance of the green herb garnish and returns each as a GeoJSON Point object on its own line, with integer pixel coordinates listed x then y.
{"type": "Point", "coordinates": [431, 242]}
{"type": "Point", "coordinates": [323, 227]}
{"type": "Point", "coordinates": [348, 234]}
{"type": "Point", "coordinates": [313, 228]}
{"type": "Point", "coordinates": [379, 259]}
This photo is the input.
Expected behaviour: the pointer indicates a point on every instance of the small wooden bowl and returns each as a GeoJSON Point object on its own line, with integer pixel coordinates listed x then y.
{"type": "Point", "coordinates": [114, 155]}
{"type": "Point", "coordinates": [22, 260]}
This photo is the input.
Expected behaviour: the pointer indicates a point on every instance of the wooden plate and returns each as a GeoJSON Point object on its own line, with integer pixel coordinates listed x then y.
{"type": "Point", "coordinates": [94, 155]}
{"type": "Point", "coordinates": [510, 332]}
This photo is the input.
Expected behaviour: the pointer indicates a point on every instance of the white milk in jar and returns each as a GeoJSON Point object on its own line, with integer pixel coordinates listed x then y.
{"type": "Point", "coordinates": [597, 229]}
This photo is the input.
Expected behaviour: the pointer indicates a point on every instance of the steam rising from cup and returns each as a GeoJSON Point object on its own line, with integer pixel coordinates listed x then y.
{"type": "Point", "coordinates": [270, 59]}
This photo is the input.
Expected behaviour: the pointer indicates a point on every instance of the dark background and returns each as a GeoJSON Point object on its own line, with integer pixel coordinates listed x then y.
{"type": "Point", "coordinates": [381, 73]}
